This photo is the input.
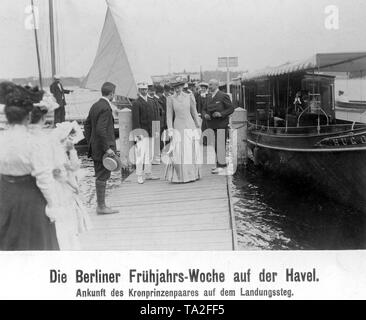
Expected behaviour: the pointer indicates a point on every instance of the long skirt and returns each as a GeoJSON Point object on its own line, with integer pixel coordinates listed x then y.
{"type": "Point", "coordinates": [23, 221]}
{"type": "Point", "coordinates": [184, 158]}
{"type": "Point", "coordinates": [66, 218]}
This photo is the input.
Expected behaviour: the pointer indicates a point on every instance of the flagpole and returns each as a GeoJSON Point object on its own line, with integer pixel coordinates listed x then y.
{"type": "Point", "coordinates": [37, 46]}
{"type": "Point", "coordinates": [52, 37]}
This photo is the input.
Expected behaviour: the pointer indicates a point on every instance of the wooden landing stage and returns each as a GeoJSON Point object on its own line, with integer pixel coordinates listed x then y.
{"type": "Point", "coordinates": [160, 216]}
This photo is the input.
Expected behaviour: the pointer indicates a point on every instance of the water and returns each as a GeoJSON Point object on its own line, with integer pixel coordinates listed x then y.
{"type": "Point", "coordinates": [87, 180]}
{"type": "Point", "coordinates": [272, 214]}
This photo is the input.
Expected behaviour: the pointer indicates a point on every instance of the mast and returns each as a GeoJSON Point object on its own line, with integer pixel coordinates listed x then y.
{"type": "Point", "coordinates": [52, 38]}
{"type": "Point", "coordinates": [37, 46]}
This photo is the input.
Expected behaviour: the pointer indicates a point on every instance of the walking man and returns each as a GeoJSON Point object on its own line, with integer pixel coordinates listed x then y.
{"type": "Point", "coordinates": [99, 133]}
{"type": "Point", "coordinates": [216, 111]}
{"type": "Point", "coordinates": [59, 92]}
{"type": "Point", "coordinates": [144, 113]}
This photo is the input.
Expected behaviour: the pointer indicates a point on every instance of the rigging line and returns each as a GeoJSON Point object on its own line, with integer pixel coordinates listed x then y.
{"type": "Point", "coordinates": [52, 38]}
{"type": "Point", "coordinates": [37, 46]}
{"type": "Point", "coordinates": [57, 37]}
{"type": "Point", "coordinates": [44, 45]}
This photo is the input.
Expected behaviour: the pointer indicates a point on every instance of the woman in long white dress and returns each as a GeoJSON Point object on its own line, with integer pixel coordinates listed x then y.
{"type": "Point", "coordinates": [74, 219]}
{"type": "Point", "coordinates": [68, 212]}
{"type": "Point", "coordinates": [184, 128]}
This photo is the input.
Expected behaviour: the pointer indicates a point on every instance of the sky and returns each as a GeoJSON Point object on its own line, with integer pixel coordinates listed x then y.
{"type": "Point", "coordinates": [181, 34]}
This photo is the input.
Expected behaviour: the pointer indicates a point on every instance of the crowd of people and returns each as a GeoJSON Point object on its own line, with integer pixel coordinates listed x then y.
{"type": "Point", "coordinates": [40, 202]}
{"type": "Point", "coordinates": [183, 110]}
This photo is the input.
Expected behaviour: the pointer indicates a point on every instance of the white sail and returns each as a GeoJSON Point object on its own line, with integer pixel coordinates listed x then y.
{"type": "Point", "coordinates": [111, 63]}
{"type": "Point", "coordinates": [139, 38]}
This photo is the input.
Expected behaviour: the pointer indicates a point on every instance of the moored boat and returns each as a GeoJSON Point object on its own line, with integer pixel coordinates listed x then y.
{"type": "Point", "coordinates": [293, 131]}
{"type": "Point", "coordinates": [358, 106]}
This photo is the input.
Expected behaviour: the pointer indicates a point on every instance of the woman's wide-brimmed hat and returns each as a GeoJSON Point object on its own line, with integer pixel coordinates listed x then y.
{"type": "Point", "coordinates": [204, 84]}
{"type": "Point", "coordinates": [65, 129]}
{"type": "Point", "coordinates": [177, 84]}
{"type": "Point", "coordinates": [112, 162]}
{"type": "Point", "coordinates": [18, 96]}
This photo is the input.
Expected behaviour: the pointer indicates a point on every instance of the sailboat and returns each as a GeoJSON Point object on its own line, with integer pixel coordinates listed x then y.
{"type": "Point", "coordinates": [111, 62]}
{"type": "Point", "coordinates": [3, 122]}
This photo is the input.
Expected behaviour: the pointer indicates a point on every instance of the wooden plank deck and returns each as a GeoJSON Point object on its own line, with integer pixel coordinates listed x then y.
{"type": "Point", "coordinates": [160, 216]}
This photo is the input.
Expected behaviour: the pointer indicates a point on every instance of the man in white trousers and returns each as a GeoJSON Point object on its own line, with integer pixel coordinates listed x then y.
{"type": "Point", "coordinates": [144, 113]}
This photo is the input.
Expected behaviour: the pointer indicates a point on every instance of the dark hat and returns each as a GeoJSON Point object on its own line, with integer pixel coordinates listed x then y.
{"type": "Point", "coordinates": [150, 87]}
{"type": "Point", "coordinates": [167, 87]}
{"type": "Point", "coordinates": [112, 162]}
{"type": "Point", "coordinates": [12, 94]}
{"type": "Point", "coordinates": [159, 88]}
{"type": "Point", "coordinates": [108, 86]}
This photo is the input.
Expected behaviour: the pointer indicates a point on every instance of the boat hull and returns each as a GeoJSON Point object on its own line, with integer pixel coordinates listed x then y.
{"type": "Point", "coordinates": [351, 105]}
{"type": "Point", "coordinates": [338, 172]}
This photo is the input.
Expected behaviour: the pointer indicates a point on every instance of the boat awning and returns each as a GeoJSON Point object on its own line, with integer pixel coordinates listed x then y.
{"type": "Point", "coordinates": [351, 62]}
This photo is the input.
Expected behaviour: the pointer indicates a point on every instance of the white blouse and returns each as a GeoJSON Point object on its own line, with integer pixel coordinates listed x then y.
{"type": "Point", "coordinates": [22, 153]}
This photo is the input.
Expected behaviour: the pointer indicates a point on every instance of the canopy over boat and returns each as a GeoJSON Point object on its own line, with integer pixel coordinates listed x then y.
{"type": "Point", "coordinates": [351, 62]}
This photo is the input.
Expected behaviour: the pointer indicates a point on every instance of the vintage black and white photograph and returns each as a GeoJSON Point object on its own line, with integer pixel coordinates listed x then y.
{"type": "Point", "coordinates": [181, 125]}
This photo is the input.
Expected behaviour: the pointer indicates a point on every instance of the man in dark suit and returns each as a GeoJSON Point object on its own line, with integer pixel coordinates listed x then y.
{"type": "Point", "coordinates": [153, 100]}
{"type": "Point", "coordinates": [216, 111]}
{"type": "Point", "coordinates": [162, 101]}
{"type": "Point", "coordinates": [59, 92]}
{"type": "Point", "coordinates": [145, 110]}
{"type": "Point", "coordinates": [201, 98]}
{"type": "Point", "coordinates": [99, 133]}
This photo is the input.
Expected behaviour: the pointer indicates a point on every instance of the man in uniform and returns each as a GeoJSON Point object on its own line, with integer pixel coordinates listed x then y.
{"type": "Point", "coordinates": [186, 88]}
{"type": "Point", "coordinates": [160, 92]}
{"type": "Point", "coordinates": [59, 92]}
{"type": "Point", "coordinates": [144, 113]}
{"type": "Point", "coordinates": [201, 98]}
{"type": "Point", "coordinates": [216, 111]}
{"type": "Point", "coordinates": [192, 87]}
{"type": "Point", "coordinates": [167, 90]}
{"type": "Point", "coordinates": [99, 133]}
{"type": "Point", "coordinates": [153, 101]}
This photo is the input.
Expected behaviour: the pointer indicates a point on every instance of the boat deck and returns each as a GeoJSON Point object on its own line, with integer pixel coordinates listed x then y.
{"type": "Point", "coordinates": [159, 215]}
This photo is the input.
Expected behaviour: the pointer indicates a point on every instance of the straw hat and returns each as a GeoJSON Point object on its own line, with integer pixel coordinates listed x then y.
{"type": "Point", "coordinates": [142, 85]}
{"type": "Point", "coordinates": [112, 162]}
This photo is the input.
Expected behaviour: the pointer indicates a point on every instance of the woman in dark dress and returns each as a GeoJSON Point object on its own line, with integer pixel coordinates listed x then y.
{"type": "Point", "coordinates": [26, 179]}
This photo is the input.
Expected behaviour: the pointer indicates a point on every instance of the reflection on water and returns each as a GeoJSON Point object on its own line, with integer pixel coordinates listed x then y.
{"type": "Point", "coordinates": [87, 180]}
{"type": "Point", "coordinates": [274, 215]}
